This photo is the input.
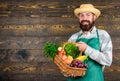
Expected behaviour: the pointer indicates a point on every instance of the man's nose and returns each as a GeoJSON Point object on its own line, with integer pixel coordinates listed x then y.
{"type": "Point", "coordinates": [85, 17]}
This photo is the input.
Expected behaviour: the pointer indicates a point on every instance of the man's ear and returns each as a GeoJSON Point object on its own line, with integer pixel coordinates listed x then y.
{"type": "Point", "coordinates": [94, 16]}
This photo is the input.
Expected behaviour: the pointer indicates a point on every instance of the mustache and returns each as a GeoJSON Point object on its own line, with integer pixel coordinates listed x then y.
{"type": "Point", "coordinates": [85, 21]}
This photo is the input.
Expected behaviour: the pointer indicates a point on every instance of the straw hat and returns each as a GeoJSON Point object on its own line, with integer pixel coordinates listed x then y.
{"type": "Point", "coordinates": [87, 8]}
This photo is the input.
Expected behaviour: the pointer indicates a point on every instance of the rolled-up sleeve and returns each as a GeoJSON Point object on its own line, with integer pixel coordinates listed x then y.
{"type": "Point", "coordinates": [104, 56]}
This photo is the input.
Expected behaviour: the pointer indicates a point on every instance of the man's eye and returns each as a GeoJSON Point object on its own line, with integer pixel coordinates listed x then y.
{"type": "Point", "coordinates": [88, 14]}
{"type": "Point", "coordinates": [81, 15]}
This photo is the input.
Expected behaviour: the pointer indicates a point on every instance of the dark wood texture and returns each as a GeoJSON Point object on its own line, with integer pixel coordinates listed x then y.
{"type": "Point", "coordinates": [25, 26]}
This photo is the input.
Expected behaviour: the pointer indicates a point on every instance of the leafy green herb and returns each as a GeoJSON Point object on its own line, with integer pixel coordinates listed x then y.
{"type": "Point", "coordinates": [51, 49]}
{"type": "Point", "coordinates": [72, 50]}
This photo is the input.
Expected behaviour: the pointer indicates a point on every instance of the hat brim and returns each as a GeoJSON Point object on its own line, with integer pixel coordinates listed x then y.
{"type": "Point", "coordinates": [77, 11]}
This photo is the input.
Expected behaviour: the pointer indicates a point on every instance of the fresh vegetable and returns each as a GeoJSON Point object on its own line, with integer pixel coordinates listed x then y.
{"type": "Point", "coordinates": [72, 50]}
{"type": "Point", "coordinates": [67, 59]}
{"type": "Point", "coordinates": [51, 49]}
{"type": "Point", "coordinates": [82, 58]}
{"type": "Point", "coordinates": [78, 64]}
{"type": "Point", "coordinates": [61, 52]}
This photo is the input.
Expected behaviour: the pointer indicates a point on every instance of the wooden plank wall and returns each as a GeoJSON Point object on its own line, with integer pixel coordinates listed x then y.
{"type": "Point", "coordinates": [25, 26]}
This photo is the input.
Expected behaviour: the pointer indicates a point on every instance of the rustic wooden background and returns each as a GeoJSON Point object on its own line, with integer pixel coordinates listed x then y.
{"type": "Point", "coordinates": [26, 25]}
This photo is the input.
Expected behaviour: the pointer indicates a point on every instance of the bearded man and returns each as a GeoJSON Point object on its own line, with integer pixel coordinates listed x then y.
{"type": "Point", "coordinates": [94, 42]}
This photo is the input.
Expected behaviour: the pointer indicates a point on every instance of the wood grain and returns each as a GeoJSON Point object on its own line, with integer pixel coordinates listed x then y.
{"type": "Point", "coordinates": [25, 26]}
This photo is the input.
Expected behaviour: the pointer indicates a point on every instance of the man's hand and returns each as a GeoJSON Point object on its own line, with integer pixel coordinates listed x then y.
{"type": "Point", "coordinates": [82, 46]}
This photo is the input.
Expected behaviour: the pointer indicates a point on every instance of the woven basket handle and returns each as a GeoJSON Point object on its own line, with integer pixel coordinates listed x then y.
{"type": "Point", "coordinates": [80, 53]}
{"type": "Point", "coordinates": [70, 43]}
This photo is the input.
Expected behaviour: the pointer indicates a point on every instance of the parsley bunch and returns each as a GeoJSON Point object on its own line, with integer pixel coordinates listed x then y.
{"type": "Point", "coordinates": [50, 49]}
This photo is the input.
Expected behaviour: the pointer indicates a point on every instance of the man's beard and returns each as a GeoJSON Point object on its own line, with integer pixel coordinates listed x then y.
{"type": "Point", "coordinates": [86, 27]}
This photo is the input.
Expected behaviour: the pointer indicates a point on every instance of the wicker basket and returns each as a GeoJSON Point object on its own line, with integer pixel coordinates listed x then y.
{"type": "Point", "coordinates": [66, 69]}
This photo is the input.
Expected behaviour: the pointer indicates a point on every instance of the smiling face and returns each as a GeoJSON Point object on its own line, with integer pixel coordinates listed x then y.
{"type": "Point", "coordinates": [86, 20]}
